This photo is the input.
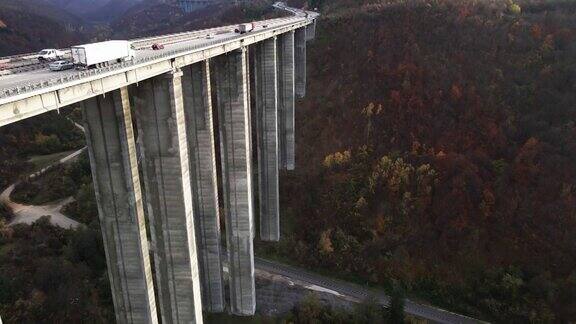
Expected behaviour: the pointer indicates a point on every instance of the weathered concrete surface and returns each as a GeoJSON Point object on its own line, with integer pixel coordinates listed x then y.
{"type": "Point", "coordinates": [234, 119]}
{"type": "Point", "coordinates": [311, 31]}
{"type": "Point", "coordinates": [200, 133]}
{"type": "Point", "coordinates": [286, 100]}
{"type": "Point", "coordinates": [266, 91]}
{"type": "Point", "coordinates": [162, 134]}
{"type": "Point", "coordinates": [112, 148]}
{"type": "Point", "coordinates": [300, 61]}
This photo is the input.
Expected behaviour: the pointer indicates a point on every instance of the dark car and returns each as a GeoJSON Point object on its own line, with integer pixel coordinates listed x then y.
{"type": "Point", "coordinates": [157, 46]}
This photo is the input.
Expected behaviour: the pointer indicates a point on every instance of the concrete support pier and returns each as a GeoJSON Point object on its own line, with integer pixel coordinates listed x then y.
{"type": "Point", "coordinates": [113, 160]}
{"type": "Point", "coordinates": [234, 120]}
{"type": "Point", "coordinates": [266, 90]}
{"type": "Point", "coordinates": [311, 31]}
{"type": "Point", "coordinates": [286, 100]}
{"type": "Point", "coordinates": [300, 61]}
{"type": "Point", "coordinates": [162, 135]}
{"type": "Point", "coordinates": [200, 133]}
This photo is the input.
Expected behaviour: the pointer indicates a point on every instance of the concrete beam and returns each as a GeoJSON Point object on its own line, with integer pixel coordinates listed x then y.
{"type": "Point", "coordinates": [163, 140]}
{"type": "Point", "coordinates": [198, 111]}
{"type": "Point", "coordinates": [266, 91]}
{"type": "Point", "coordinates": [234, 119]}
{"type": "Point", "coordinates": [300, 61]}
{"type": "Point", "coordinates": [286, 89]}
{"type": "Point", "coordinates": [112, 149]}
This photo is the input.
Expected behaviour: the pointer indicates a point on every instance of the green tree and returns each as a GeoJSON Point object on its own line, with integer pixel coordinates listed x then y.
{"type": "Point", "coordinates": [395, 312]}
{"type": "Point", "coordinates": [369, 312]}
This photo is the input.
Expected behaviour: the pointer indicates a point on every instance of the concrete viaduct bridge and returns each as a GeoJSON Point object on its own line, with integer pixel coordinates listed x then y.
{"type": "Point", "coordinates": [172, 144]}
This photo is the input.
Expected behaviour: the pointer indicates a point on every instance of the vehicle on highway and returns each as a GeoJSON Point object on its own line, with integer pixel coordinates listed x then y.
{"type": "Point", "coordinates": [50, 54]}
{"type": "Point", "coordinates": [61, 65]}
{"type": "Point", "coordinates": [209, 36]}
{"type": "Point", "coordinates": [244, 28]}
{"type": "Point", "coordinates": [101, 54]}
{"type": "Point", "coordinates": [157, 46]}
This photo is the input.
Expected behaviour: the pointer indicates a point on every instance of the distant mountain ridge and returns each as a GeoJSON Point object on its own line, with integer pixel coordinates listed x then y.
{"type": "Point", "coordinates": [79, 7]}
{"type": "Point", "coordinates": [31, 25]}
{"type": "Point", "coordinates": [74, 12]}
{"type": "Point", "coordinates": [110, 10]}
{"type": "Point", "coordinates": [24, 32]}
{"type": "Point", "coordinates": [42, 8]}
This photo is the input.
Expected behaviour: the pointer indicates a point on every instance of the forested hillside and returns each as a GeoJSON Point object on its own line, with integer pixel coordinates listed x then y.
{"type": "Point", "coordinates": [24, 28]}
{"type": "Point", "coordinates": [157, 17]}
{"type": "Point", "coordinates": [52, 275]}
{"type": "Point", "coordinates": [45, 134]}
{"type": "Point", "coordinates": [435, 152]}
{"type": "Point", "coordinates": [435, 155]}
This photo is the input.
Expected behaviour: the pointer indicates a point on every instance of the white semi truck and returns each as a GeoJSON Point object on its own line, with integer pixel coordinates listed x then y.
{"type": "Point", "coordinates": [244, 28]}
{"type": "Point", "coordinates": [101, 54]}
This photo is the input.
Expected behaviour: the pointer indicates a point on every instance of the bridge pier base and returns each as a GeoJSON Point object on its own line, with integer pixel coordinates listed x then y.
{"type": "Point", "coordinates": [198, 111]}
{"type": "Point", "coordinates": [266, 90]}
{"type": "Point", "coordinates": [286, 102]}
{"type": "Point", "coordinates": [162, 133]}
{"type": "Point", "coordinates": [234, 119]}
{"type": "Point", "coordinates": [112, 149]}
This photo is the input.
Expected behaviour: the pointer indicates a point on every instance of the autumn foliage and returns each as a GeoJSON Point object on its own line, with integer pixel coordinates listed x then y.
{"type": "Point", "coordinates": [436, 148]}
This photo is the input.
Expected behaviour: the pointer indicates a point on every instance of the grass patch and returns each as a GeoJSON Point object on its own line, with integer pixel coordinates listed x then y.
{"type": "Point", "coordinates": [42, 161]}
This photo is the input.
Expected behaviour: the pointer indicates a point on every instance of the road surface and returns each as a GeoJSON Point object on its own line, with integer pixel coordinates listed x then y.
{"type": "Point", "coordinates": [28, 214]}
{"type": "Point", "coordinates": [360, 293]}
{"type": "Point", "coordinates": [25, 78]}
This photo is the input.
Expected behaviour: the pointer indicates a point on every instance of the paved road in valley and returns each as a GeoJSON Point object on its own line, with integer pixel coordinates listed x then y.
{"type": "Point", "coordinates": [431, 313]}
{"type": "Point", "coordinates": [28, 214]}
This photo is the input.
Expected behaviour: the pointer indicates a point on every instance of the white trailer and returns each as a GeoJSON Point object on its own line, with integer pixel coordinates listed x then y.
{"type": "Point", "coordinates": [245, 28]}
{"type": "Point", "coordinates": [103, 53]}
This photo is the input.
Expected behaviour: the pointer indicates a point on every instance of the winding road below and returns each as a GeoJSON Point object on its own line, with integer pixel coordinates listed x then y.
{"type": "Point", "coordinates": [28, 214]}
{"type": "Point", "coordinates": [360, 293]}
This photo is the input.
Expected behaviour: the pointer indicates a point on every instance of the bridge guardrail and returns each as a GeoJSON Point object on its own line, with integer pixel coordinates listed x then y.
{"type": "Point", "coordinates": [173, 38]}
{"type": "Point", "coordinates": [7, 59]}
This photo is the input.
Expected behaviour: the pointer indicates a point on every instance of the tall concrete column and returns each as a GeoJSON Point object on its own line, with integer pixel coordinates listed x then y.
{"type": "Point", "coordinates": [112, 150]}
{"type": "Point", "coordinates": [248, 93]}
{"type": "Point", "coordinates": [234, 119]}
{"type": "Point", "coordinates": [286, 90]}
{"type": "Point", "coordinates": [300, 61]}
{"type": "Point", "coordinates": [198, 111]}
{"type": "Point", "coordinates": [163, 140]}
{"type": "Point", "coordinates": [310, 31]}
{"type": "Point", "coordinates": [266, 90]}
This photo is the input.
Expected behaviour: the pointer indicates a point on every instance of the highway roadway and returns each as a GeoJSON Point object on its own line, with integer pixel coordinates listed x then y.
{"type": "Point", "coordinates": [176, 42]}
{"type": "Point", "coordinates": [431, 313]}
